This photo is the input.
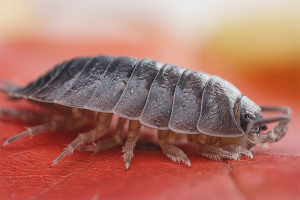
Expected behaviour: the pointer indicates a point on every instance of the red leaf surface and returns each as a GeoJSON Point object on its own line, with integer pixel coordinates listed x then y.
{"type": "Point", "coordinates": [25, 172]}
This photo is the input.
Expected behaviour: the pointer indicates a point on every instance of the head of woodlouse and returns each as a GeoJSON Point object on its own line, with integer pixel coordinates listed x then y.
{"type": "Point", "coordinates": [246, 112]}
{"type": "Point", "coordinates": [250, 112]}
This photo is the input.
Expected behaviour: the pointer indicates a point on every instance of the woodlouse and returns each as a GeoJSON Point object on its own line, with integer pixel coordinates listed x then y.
{"type": "Point", "coordinates": [219, 121]}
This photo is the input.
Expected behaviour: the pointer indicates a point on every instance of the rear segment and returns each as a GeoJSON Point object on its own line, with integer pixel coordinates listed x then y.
{"type": "Point", "coordinates": [32, 87]}
{"type": "Point", "coordinates": [61, 82]}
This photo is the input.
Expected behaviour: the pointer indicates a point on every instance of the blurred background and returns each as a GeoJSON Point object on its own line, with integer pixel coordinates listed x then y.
{"type": "Point", "coordinates": [252, 44]}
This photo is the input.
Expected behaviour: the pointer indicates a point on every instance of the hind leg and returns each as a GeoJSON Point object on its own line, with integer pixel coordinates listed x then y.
{"type": "Point", "coordinates": [31, 132]}
{"type": "Point", "coordinates": [55, 122]}
{"type": "Point", "coordinates": [103, 123]}
{"type": "Point", "coordinates": [26, 116]}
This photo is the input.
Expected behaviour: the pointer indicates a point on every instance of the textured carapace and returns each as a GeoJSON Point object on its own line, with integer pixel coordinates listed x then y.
{"type": "Point", "coordinates": [219, 121]}
{"type": "Point", "coordinates": [159, 96]}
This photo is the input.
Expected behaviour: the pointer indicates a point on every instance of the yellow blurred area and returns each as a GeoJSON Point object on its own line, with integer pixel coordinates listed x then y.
{"type": "Point", "coordinates": [17, 19]}
{"type": "Point", "coordinates": [260, 52]}
{"type": "Point", "coordinates": [272, 41]}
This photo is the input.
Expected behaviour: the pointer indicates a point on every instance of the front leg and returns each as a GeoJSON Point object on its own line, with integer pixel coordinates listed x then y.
{"type": "Point", "coordinates": [279, 130]}
{"type": "Point", "coordinates": [237, 151]}
{"type": "Point", "coordinates": [214, 152]}
{"type": "Point", "coordinates": [206, 146]}
{"type": "Point", "coordinates": [275, 134]}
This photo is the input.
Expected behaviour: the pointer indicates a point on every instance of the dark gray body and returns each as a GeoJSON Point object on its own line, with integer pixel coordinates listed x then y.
{"type": "Point", "coordinates": [160, 96]}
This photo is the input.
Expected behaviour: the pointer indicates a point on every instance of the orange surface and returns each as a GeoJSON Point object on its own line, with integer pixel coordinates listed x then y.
{"type": "Point", "coordinates": [25, 172]}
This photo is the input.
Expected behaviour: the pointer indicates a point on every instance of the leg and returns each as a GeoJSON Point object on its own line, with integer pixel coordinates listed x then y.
{"type": "Point", "coordinates": [237, 151]}
{"type": "Point", "coordinates": [133, 134]}
{"type": "Point", "coordinates": [171, 151]}
{"type": "Point", "coordinates": [103, 123]}
{"type": "Point", "coordinates": [27, 116]}
{"type": "Point", "coordinates": [209, 150]}
{"type": "Point", "coordinates": [103, 145]}
{"type": "Point", "coordinates": [32, 131]}
{"type": "Point", "coordinates": [58, 122]}
{"type": "Point", "coordinates": [30, 116]}
{"type": "Point", "coordinates": [62, 112]}
{"type": "Point", "coordinates": [213, 152]}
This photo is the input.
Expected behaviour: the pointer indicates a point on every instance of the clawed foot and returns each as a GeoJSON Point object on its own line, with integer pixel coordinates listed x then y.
{"type": "Point", "coordinates": [226, 151]}
{"type": "Point", "coordinates": [128, 153]}
{"type": "Point", "coordinates": [213, 152]}
{"type": "Point", "coordinates": [237, 151]}
{"type": "Point", "coordinates": [175, 154]}
{"type": "Point", "coordinates": [81, 139]}
{"type": "Point", "coordinates": [31, 131]}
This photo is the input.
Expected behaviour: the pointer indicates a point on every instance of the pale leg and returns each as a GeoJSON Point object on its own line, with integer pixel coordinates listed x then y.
{"type": "Point", "coordinates": [25, 115]}
{"type": "Point", "coordinates": [103, 123]}
{"type": "Point", "coordinates": [133, 134]}
{"type": "Point", "coordinates": [208, 150]}
{"type": "Point", "coordinates": [237, 151]}
{"type": "Point", "coordinates": [57, 122]}
{"type": "Point", "coordinates": [279, 130]}
{"type": "Point", "coordinates": [106, 144]}
{"type": "Point", "coordinates": [171, 151]}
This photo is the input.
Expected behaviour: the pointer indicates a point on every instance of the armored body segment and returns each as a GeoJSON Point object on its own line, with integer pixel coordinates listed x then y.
{"type": "Point", "coordinates": [78, 94]}
{"type": "Point", "coordinates": [61, 82]}
{"type": "Point", "coordinates": [187, 102]}
{"type": "Point", "coordinates": [134, 97]}
{"type": "Point", "coordinates": [38, 84]}
{"type": "Point", "coordinates": [23, 91]}
{"type": "Point", "coordinates": [111, 88]}
{"type": "Point", "coordinates": [44, 80]}
{"type": "Point", "coordinates": [217, 117]}
{"type": "Point", "coordinates": [158, 107]}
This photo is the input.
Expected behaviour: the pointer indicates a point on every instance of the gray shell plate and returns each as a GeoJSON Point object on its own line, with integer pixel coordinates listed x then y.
{"type": "Point", "coordinates": [162, 97]}
{"type": "Point", "coordinates": [187, 102]}
{"type": "Point", "coordinates": [158, 107]}
{"type": "Point", "coordinates": [61, 82]}
{"type": "Point", "coordinates": [78, 94]}
{"type": "Point", "coordinates": [111, 88]}
{"type": "Point", "coordinates": [38, 84]}
{"type": "Point", "coordinates": [133, 99]}
{"type": "Point", "coordinates": [217, 116]}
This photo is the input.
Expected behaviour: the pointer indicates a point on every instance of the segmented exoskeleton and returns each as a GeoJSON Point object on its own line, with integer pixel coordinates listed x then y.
{"type": "Point", "coordinates": [219, 121]}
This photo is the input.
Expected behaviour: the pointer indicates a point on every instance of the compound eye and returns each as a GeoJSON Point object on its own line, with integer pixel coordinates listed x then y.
{"type": "Point", "coordinates": [264, 127]}
{"type": "Point", "coordinates": [246, 116]}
